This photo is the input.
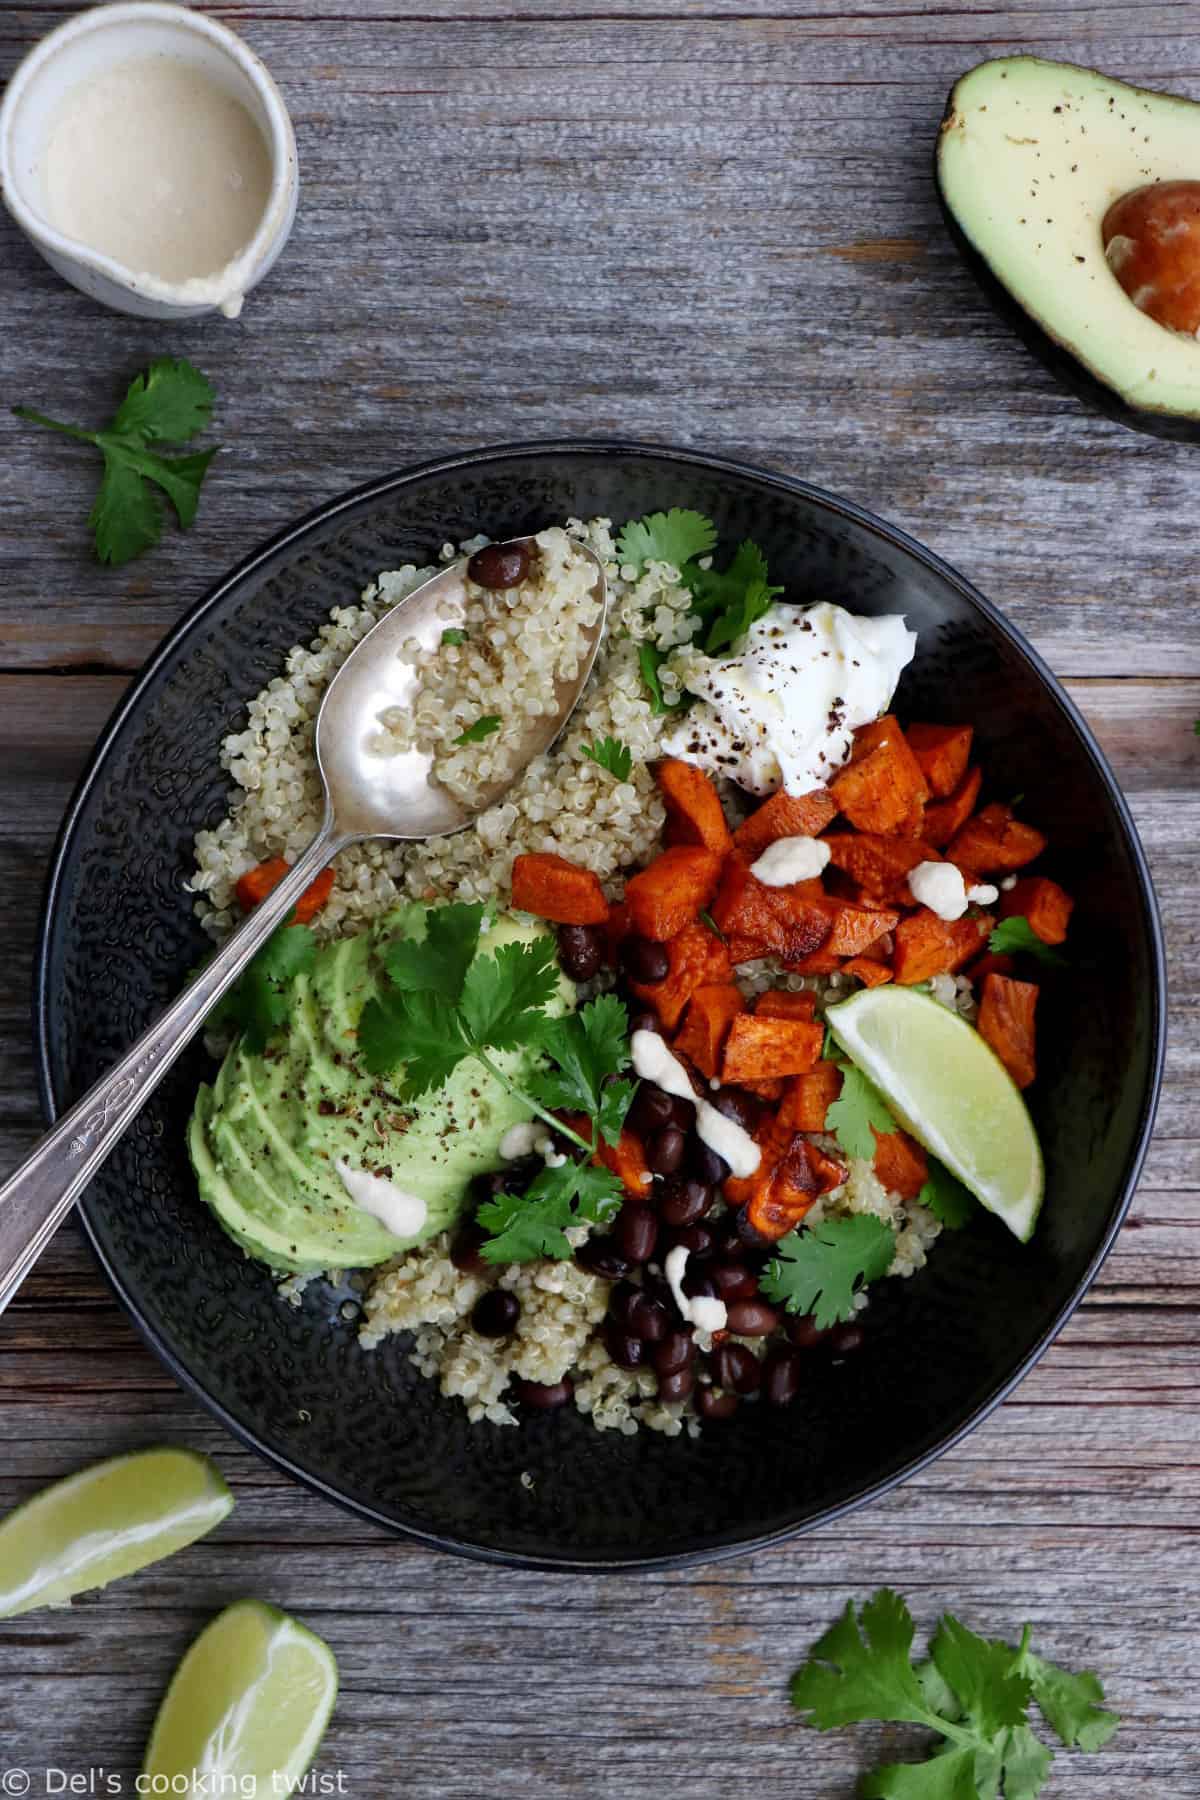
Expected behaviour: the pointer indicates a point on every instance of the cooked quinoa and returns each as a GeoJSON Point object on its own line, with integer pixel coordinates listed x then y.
{"type": "Point", "coordinates": [516, 641]}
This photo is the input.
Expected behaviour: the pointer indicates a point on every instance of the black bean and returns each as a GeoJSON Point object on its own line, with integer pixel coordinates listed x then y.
{"type": "Point", "coordinates": [683, 1200]}
{"type": "Point", "coordinates": [697, 1240]}
{"type": "Point", "coordinates": [623, 1293]}
{"type": "Point", "coordinates": [544, 1396]}
{"type": "Point", "coordinates": [738, 1105]}
{"type": "Point", "coordinates": [782, 1373]}
{"type": "Point", "coordinates": [676, 1351]}
{"type": "Point", "coordinates": [683, 1112]}
{"type": "Point", "coordinates": [627, 1351]}
{"type": "Point", "coordinates": [513, 1178]}
{"type": "Point", "coordinates": [636, 1231]}
{"type": "Point", "coordinates": [697, 1286]}
{"type": "Point", "coordinates": [465, 1248]}
{"type": "Point", "coordinates": [733, 1281]}
{"type": "Point", "coordinates": [752, 1318]}
{"type": "Point", "coordinates": [713, 1404]}
{"type": "Point", "coordinates": [644, 961]}
{"type": "Point", "coordinates": [601, 1256]}
{"type": "Point", "coordinates": [649, 1110]}
{"type": "Point", "coordinates": [499, 565]}
{"type": "Point", "coordinates": [580, 951]}
{"type": "Point", "coordinates": [648, 1319]}
{"type": "Point", "coordinates": [845, 1339]}
{"type": "Point", "coordinates": [664, 1150]}
{"type": "Point", "coordinates": [803, 1332]}
{"type": "Point", "coordinates": [705, 1164]}
{"type": "Point", "coordinates": [646, 1020]}
{"type": "Point", "coordinates": [736, 1369]}
{"type": "Point", "coordinates": [495, 1313]}
{"type": "Point", "coordinates": [676, 1386]}
{"type": "Point", "coordinates": [750, 1235]}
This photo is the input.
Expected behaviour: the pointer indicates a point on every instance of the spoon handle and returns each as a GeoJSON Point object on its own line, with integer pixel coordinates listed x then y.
{"type": "Point", "coordinates": [42, 1191]}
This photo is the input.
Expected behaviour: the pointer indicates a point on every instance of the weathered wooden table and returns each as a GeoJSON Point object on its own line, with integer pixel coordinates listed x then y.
{"type": "Point", "coordinates": [711, 224]}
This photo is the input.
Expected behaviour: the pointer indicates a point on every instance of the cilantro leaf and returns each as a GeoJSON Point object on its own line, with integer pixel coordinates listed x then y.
{"type": "Point", "coordinates": [981, 1674]}
{"type": "Point", "coordinates": [650, 661]}
{"type": "Point", "coordinates": [1071, 1704]}
{"type": "Point", "coordinates": [946, 1197]}
{"type": "Point", "coordinates": [855, 1674]}
{"type": "Point", "coordinates": [617, 758]}
{"type": "Point", "coordinates": [452, 635]}
{"type": "Point", "coordinates": [1015, 936]}
{"type": "Point", "coordinates": [482, 728]}
{"type": "Point", "coordinates": [615, 1102]}
{"type": "Point", "coordinates": [857, 1108]}
{"type": "Point", "coordinates": [258, 1002]}
{"type": "Point", "coordinates": [951, 1776]}
{"type": "Point", "coordinates": [729, 601]}
{"type": "Point", "coordinates": [1026, 1764]}
{"type": "Point", "coordinates": [676, 537]}
{"type": "Point", "coordinates": [586, 1047]}
{"type": "Point", "coordinates": [168, 404]}
{"type": "Point", "coordinates": [422, 1031]}
{"type": "Point", "coordinates": [533, 1224]}
{"type": "Point", "coordinates": [502, 992]}
{"type": "Point", "coordinates": [437, 963]}
{"type": "Point", "coordinates": [821, 1269]}
{"type": "Point", "coordinates": [750, 606]}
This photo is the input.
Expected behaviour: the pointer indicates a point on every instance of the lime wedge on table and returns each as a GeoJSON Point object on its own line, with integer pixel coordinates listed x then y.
{"type": "Point", "coordinates": [106, 1522]}
{"type": "Point", "coordinates": [950, 1090]}
{"type": "Point", "coordinates": [246, 1708]}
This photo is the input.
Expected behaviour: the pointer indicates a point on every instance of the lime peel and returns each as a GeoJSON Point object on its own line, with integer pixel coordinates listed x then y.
{"type": "Point", "coordinates": [246, 1708]}
{"type": "Point", "coordinates": [104, 1522]}
{"type": "Point", "coordinates": [949, 1089]}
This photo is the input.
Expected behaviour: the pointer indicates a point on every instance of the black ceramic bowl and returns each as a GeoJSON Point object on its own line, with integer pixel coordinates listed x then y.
{"type": "Point", "coordinates": [363, 1427]}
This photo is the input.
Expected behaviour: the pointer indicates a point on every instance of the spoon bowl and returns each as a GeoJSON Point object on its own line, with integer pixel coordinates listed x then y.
{"type": "Point", "coordinates": [369, 793]}
{"type": "Point", "coordinates": [374, 792]}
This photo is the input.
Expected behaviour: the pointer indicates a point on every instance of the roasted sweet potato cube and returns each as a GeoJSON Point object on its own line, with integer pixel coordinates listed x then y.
{"type": "Point", "coordinates": [943, 752]}
{"type": "Point", "coordinates": [879, 865]}
{"type": "Point", "coordinates": [927, 945]}
{"type": "Point", "coordinates": [668, 895]}
{"type": "Point", "coordinates": [1040, 900]}
{"type": "Point", "coordinates": [626, 1158]}
{"type": "Point", "coordinates": [994, 843]}
{"type": "Point", "coordinates": [802, 1174]}
{"type": "Point", "coordinates": [870, 973]}
{"type": "Point", "coordinates": [854, 929]}
{"type": "Point", "coordinates": [257, 883]}
{"type": "Point", "coordinates": [772, 1091]}
{"type": "Point", "coordinates": [784, 815]}
{"type": "Point", "coordinates": [878, 788]}
{"type": "Point", "coordinates": [817, 962]}
{"type": "Point", "coordinates": [697, 958]}
{"type": "Point", "coordinates": [760, 1049]}
{"type": "Point", "coordinates": [900, 1163]}
{"type": "Point", "coordinates": [787, 921]}
{"type": "Point", "coordinates": [809, 1097]}
{"type": "Point", "coordinates": [1006, 1022]}
{"type": "Point", "coordinates": [945, 817]}
{"type": "Point", "coordinates": [990, 964]}
{"type": "Point", "coordinates": [783, 1003]}
{"type": "Point", "coordinates": [552, 888]}
{"type": "Point", "coordinates": [711, 1011]}
{"type": "Point", "coordinates": [694, 813]}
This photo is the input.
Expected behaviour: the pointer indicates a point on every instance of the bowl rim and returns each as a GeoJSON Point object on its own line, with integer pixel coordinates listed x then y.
{"type": "Point", "coordinates": [723, 1545]}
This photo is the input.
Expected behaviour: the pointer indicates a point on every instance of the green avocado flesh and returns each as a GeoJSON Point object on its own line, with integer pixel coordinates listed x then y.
{"type": "Point", "coordinates": [1031, 156]}
{"type": "Point", "coordinates": [265, 1139]}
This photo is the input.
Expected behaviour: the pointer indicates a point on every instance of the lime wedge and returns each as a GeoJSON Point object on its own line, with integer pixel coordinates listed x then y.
{"type": "Point", "coordinates": [953, 1094]}
{"type": "Point", "coordinates": [246, 1708]}
{"type": "Point", "coordinates": [106, 1522]}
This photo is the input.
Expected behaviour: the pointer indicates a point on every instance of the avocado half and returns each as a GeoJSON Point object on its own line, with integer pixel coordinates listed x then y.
{"type": "Point", "coordinates": [1030, 156]}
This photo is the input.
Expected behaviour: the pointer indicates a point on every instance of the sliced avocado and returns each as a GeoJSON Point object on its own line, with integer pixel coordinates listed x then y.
{"type": "Point", "coordinates": [265, 1139]}
{"type": "Point", "coordinates": [1030, 157]}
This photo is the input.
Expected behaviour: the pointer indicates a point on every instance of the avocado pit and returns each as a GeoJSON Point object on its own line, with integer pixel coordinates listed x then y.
{"type": "Point", "coordinates": [1152, 244]}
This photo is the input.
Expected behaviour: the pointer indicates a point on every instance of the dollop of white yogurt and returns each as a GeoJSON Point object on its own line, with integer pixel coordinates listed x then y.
{"type": "Point", "coordinates": [654, 1061]}
{"type": "Point", "coordinates": [400, 1213]}
{"type": "Point", "coordinates": [789, 860]}
{"type": "Point", "coordinates": [519, 1140]}
{"type": "Point", "coordinates": [705, 1312]}
{"type": "Point", "coordinates": [782, 711]}
{"type": "Point", "coordinates": [940, 886]}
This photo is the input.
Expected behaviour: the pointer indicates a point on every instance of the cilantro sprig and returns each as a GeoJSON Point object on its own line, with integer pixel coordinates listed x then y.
{"type": "Point", "coordinates": [258, 1003]}
{"type": "Point", "coordinates": [677, 537]}
{"type": "Point", "coordinates": [729, 601]}
{"type": "Point", "coordinates": [858, 1112]}
{"type": "Point", "coordinates": [612, 755]}
{"type": "Point", "coordinates": [973, 1692]}
{"type": "Point", "coordinates": [821, 1269]}
{"type": "Point", "coordinates": [446, 1002]}
{"type": "Point", "coordinates": [650, 661]}
{"type": "Point", "coordinates": [1016, 937]}
{"type": "Point", "coordinates": [482, 728]}
{"type": "Point", "coordinates": [168, 404]}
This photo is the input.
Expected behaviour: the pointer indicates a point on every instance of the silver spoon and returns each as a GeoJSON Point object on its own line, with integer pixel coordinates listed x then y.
{"type": "Point", "coordinates": [367, 795]}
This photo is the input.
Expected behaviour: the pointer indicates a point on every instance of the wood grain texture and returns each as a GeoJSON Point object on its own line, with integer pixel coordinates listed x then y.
{"type": "Point", "coordinates": [710, 223]}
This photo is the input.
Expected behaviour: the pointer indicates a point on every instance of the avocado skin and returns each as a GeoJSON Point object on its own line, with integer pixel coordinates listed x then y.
{"type": "Point", "coordinates": [1067, 370]}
